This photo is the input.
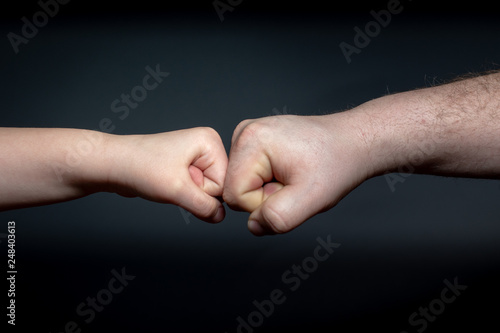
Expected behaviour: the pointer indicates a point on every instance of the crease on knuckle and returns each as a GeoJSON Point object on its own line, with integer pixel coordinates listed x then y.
{"type": "Point", "coordinates": [249, 134]}
{"type": "Point", "coordinates": [228, 198]}
{"type": "Point", "coordinates": [240, 127]}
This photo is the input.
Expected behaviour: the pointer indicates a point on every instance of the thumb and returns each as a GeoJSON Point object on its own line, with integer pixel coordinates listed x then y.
{"type": "Point", "coordinates": [284, 210]}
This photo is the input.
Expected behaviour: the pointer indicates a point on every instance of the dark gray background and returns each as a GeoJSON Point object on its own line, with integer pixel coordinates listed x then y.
{"type": "Point", "coordinates": [396, 247]}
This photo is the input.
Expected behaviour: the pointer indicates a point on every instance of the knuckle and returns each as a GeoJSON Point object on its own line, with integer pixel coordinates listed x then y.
{"type": "Point", "coordinates": [177, 185]}
{"type": "Point", "coordinates": [236, 202]}
{"type": "Point", "coordinates": [227, 197]}
{"type": "Point", "coordinates": [231, 200]}
{"type": "Point", "coordinates": [208, 133]}
{"type": "Point", "coordinates": [246, 130]}
{"type": "Point", "coordinates": [242, 124]}
{"type": "Point", "coordinates": [250, 134]}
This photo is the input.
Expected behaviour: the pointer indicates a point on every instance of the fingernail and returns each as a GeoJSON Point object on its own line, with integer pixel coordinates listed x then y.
{"type": "Point", "coordinates": [255, 228]}
{"type": "Point", "coordinates": [219, 216]}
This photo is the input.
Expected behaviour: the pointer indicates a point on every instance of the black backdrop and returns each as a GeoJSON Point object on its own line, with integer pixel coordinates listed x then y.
{"type": "Point", "coordinates": [397, 245]}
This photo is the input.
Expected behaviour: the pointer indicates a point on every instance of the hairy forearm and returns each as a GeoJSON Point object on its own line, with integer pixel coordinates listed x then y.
{"type": "Point", "coordinates": [47, 165]}
{"type": "Point", "coordinates": [450, 130]}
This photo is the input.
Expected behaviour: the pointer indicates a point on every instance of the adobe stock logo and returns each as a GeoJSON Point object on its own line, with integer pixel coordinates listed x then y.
{"type": "Point", "coordinates": [89, 309]}
{"type": "Point", "coordinates": [92, 139]}
{"type": "Point", "coordinates": [222, 6]}
{"type": "Point", "coordinates": [425, 315]}
{"type": "Point", "coordinates": [292, 278]}
{"type": "Point", "coordinates": [372, 29]}
{"type": "Point", "coordinates": [29, 30]}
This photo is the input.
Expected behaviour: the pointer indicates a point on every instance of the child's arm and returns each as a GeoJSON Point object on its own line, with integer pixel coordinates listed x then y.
{"type": "Point", "coordinates": [40, 166]}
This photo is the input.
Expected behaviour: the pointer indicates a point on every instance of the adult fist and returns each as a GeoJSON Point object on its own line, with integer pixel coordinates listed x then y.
{"type": "Point", "coordinates": [185, 167]}
{"type": "Point", "coordinates": [285, 169]}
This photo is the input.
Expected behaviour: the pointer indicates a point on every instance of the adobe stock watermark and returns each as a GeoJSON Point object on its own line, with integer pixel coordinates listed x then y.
{"type": "Point", "coordinates": [292, 278]}
{"type": "Point", "coordinates": [372, 29]}
{"type": "Point", "coordinates": [420, 319]}
{"type": "Point", "coordinates": [223, 6]}
{"type": "Point", "coordinates": [30, 28]}
{"type": "Point", "coordinates": [87, 309]}
{"type": "Point", "coordinates": [121, 106]}
{"type": "Point", "coordinates": [186, 216]}
{"type": "Point", "coordinates": [138, 94]}
{"type": "Point", "coordinates": [426, 144]}
{"type": "Point", "coordinates": [278, 112]}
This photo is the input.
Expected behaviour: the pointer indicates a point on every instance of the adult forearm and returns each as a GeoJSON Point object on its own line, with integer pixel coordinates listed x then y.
{"type": "Point", "coordinates": [285, 169]}
{"type": "Point", "coordinates": [451, 130]}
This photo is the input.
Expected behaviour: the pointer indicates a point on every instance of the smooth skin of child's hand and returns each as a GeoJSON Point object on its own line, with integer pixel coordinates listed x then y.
{"type": "Point", "coordinates": [47, 165]}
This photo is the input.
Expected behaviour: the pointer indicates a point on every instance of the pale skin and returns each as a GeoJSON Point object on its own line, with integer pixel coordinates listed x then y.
{"type": "Point", "coordinates": [286, 169]}
{"type": "Point", "coordinates": [282, 169]}
{"type": "Point", "coordinates": [41, 166]}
